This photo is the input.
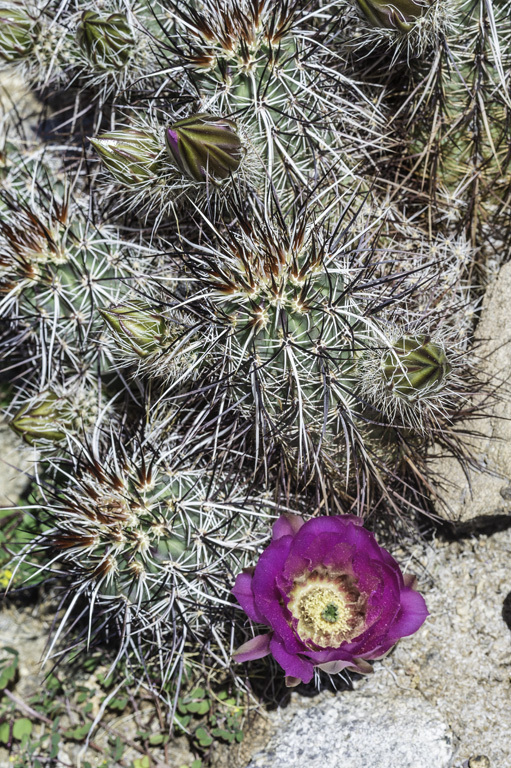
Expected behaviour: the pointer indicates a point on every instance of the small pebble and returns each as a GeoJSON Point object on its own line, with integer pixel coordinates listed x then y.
{"type": "Point", "coordinates": [481, 761]}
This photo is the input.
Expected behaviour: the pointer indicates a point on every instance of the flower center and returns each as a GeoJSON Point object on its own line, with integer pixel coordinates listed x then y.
{"type": "Point", "coordinates": [331, 613]}
{"type": "Point", "coordinates": [327, 611]}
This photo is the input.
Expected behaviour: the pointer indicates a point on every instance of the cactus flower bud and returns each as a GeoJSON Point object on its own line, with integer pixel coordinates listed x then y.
{"type": "Point", "coordinates": [137, 327]}
{"type": "Point", "coordinates": [17, 33]}
{"type": "Point", "coordinates": [130, 155]}
{"type": "Point", "coordinates": [205, 146]}
{"type": "Point", "coordinates": [415, 366]}
{"type": "Point", "coordinates": [400, 15]}
{"type": "Point", "coordinates": [40, 420]}
{"type": "Point", "coordinates": [106, 40]}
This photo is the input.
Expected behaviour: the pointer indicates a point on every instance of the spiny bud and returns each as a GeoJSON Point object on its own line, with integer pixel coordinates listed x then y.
{"type": "Point", "coordinates": [137, 327]}
{"type": "Point", "coordinates": [41, 419]}
{"type": "Point", "coordinates": [18, 32]}
{"type": "Point", "coordinates": [400, 15]}
{"type": "Point", "coordinates": [130, 155]}
{"type": "Point", "coordinates": [415, 366]}
{"type": "Point", "coordinates": [205, 146]}
{"type": "Point", "coordinates": [106, 40]}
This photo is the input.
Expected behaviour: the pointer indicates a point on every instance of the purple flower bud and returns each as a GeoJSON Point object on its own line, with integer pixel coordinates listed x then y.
{"type": "Point", "coordinates": [330, 595]}
{"type": "Point", "coordinates": [204, 146]}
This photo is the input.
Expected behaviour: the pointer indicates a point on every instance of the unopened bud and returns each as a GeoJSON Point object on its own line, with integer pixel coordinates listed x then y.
{"type": "Point", "coordinates": [41, 419]}
{"type": "Point", "coordinates": [415, 366]}
{"type": "Point", "coordinates": [18, 33]}
{"type": "Point", "coordinates": [130, 155]}
{"type": "Point", "coordinates": [137, 327]}
{"type": "Point", "coordinates": [400, 15]}
{"type": "Point", "coordinates": [106, 40]}
{"type": "Point", "coordinates": [205, 146]}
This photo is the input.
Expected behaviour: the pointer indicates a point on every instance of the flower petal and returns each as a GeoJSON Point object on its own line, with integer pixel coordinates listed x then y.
{"type": "Point", "coordinates": [334, 667]}
{"type": "Point", "coordinates": [410, 580]}
{"type": "Point", "coordinates": [255, 648]}
{"type": "Point", "coordinates": [292, 664]}
{"type": "Point", "coordinates": [287, 525]}
{"type": "Point", "coordinates": [243, 593]}
{"type": "Point", "coordinates": [411, 616]}
{"type": "Point", "coordinates": [362, 667]}
{"type": "Point", "coordinates": [267, 595]}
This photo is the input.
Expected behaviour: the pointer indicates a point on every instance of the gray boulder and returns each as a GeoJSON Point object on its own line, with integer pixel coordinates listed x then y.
{"type": "Point", "coordinates": [357, 730]}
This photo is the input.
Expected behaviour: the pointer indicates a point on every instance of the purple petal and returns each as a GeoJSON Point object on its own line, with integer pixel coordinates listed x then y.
{"type": "Point", "coordinates": [411, 617]}
{"type": "Point", "coordinates": [243, 593]}
{"type": "Point", "coordinates": [291, 663]}
{"type": "Point", "coordinates": [311, 541]}
{"type": "Point", "coordinates": [255, 648]}
{"type": "Point", "coordinates": [267, 595]}
{"type": "Point", "coordinates": [287, 525]}
{"type": "Point", "coordinates": [384, 600]}
{"type": "Point", "coordinates": [409, 580]}
{"type": "Point", "coordinates": [331, 654]}
{"type": "Point", "coordinates": [173, 142]}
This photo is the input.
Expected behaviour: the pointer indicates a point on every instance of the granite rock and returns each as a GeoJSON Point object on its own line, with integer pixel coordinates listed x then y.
{"type": "Point", "coordinates": [486, 493]}
{"type": "Point", "coordinates": [16, 464]}
{"type": "Point", "coordinates": [360, 730]}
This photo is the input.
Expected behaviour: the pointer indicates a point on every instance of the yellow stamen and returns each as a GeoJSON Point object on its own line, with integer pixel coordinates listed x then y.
{"type": "Point", "coordinates": [327, 610]}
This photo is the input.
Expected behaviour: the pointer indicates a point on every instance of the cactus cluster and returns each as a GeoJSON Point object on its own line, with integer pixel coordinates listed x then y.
{"type": "Point", "coordinates": [240, 278]}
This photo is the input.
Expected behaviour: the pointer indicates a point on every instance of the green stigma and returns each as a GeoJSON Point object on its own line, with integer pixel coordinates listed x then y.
{"type": "Point", "coordinates": [331, 613]}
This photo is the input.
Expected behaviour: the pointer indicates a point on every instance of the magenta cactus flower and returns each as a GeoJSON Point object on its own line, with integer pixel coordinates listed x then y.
{"type": "Point", "coordinates": [332, 597]}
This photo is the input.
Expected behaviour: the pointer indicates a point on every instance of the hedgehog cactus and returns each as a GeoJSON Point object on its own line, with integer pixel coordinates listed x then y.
{"type": "Point", "coordinates": [251, 69]}
{"type": "Point", "coordinates": [257, 273]}
{"type": "Point", "coordinates": [56, 268]}
{"type": "Point", "coordinates": [145, 539]}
